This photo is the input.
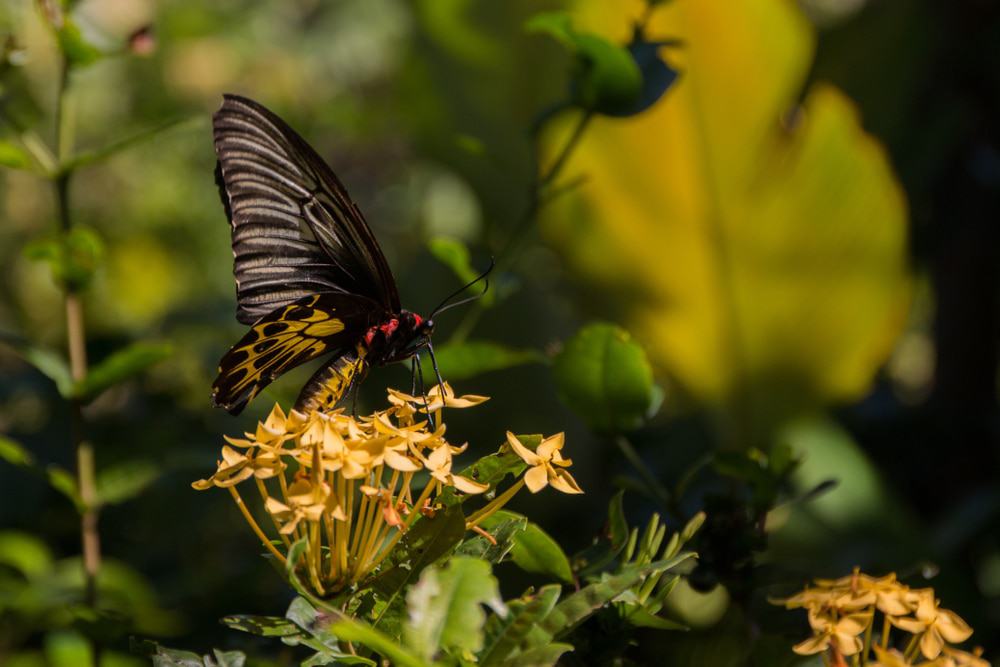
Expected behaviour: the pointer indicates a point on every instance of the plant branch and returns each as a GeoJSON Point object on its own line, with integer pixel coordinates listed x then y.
{"type": "Point", "coordinates": [77, 349]}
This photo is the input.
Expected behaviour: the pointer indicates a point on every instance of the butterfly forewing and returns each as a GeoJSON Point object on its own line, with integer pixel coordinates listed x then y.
{"type": "Point", "coordinates": [295, 230]}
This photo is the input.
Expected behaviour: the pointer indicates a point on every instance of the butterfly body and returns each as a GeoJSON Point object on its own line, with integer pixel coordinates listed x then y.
{"type": "Point", "coordinates": [311, 280]}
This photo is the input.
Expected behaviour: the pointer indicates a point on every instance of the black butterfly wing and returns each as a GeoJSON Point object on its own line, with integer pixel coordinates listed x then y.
{"type": "Point", "coordinates": [315, 325]}
{"type": "Point", "coordinates": [295, 230]}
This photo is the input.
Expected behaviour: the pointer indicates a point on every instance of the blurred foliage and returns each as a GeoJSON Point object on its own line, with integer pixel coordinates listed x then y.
{"type": "Point", "coordinates": [827, 352]}
{"type": "Point", "coordinates": [719, 252]}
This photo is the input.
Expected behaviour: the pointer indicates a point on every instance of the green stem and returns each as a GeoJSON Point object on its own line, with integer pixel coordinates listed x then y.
{"type": "Point", "coordinates": [632, 456]}
{"type": "Point", "coordinates": [868, 640]}
{"type": "Point", "coordinates": [912, 647]}
{"type": "Point", "coordinates": [77, 349]}
{"type": "Point", "coordinates": [494, 505]}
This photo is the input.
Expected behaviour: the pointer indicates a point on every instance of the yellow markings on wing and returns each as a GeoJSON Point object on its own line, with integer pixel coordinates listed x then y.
{"type": "Point", "coordinates": [276, 344]}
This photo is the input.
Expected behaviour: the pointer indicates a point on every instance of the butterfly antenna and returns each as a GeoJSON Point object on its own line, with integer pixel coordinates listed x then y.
{"type": "Point", "coordinates": [444, 305]}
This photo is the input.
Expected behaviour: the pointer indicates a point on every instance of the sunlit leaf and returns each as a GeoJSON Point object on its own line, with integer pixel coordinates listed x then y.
{"type": "Point", "coordinates": [74, 46]}
{"type": "Point", "coordinates": [24, 553]}
{"type": "Point", "coordinates": [535, 551]}
{"type": "Point", "coordinates": [353, 630]}
{"type": "Point", "coordinates": [604, 376]}
{"type": "Point", "coordinates": [121, 366]}
{"type": "Point", "coordinates": [67, 649]}
{"type": "Point", "coordinates": [757, 247]}
{"type": "Point", "coordinates": [264, 626]}
{"type": "Point", "coordinates": [446, 607]}
{"type": "Point", "coordinates": [13, 156]}
{"type": "Point", "coordinates": [459, 361]}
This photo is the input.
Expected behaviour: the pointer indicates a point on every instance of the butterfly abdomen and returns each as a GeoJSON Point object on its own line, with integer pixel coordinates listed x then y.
{"type": "Point", "coordinates": [329, 384]}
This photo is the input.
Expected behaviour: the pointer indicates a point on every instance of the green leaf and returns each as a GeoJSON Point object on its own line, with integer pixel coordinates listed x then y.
{"type": "Point", "coordinates": [604, 376]}
{"type": "Point", "coordinates": [535, 551]}
{"type": "Point", "coordinates": [506, 634]}
{"type": "Point", "coordinates": [492, 469]}
{"type": "Point", "coordinates": [58, 478]}
{"type": "Point", "coordinates": [539, 656]}
{"type": "Point", "coordinates": [14, 453]}
{"type": "Point", "coordinates": [445, 607]}
{"type": "Point", "coordinates": [355, 631]}
{"type": "Point", "coordinates": [641, 617]}
{"type": "Point", "coordinates": [121, 366]}
{"type": "Point", "coordinates": [292, 559]}
{"type": "Point", "coordinates": [124, 481]}
{"type": "Point", "coordinates": [459, 361]}
{"type": "Point", "coordinates": [64, 482]}
{"type": "Point", "coordinates": [504, 527]}
{"type": "Point", "coordinates": [314, 632]}
{"type": "Point", "coordinates": [48, 362]}
{"type": "Point", "coordinates": [577, 607]}
{"type": "Point", "coordinates": [13, 156]}
{"type": "Point", "coordinates": [77, 50]}
{"type": "Point", "coordinates": [428, 540]}
{"type": "Point", "coordinates": [228, 658]}
{"type": "Point", "coordinates": [73, 257]}
{"type": "Point", "coordinates": [169, 657]}
{"type": "Point", "coordinates": [454, 254]}
{"type": "Point", "coordinates": [607, 78]}
{"type": "Point", "coordinates": [67, 649]}
{"type": "Point", "coordinates": [25, 553]}
{"type": "Point", "coordinates": [264, 626]}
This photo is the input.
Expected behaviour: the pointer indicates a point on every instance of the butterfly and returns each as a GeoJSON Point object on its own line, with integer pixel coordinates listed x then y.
{"type": "Point", "coordinates": [311, 279]}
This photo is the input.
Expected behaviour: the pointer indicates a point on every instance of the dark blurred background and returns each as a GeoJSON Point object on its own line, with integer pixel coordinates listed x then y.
{"type": "Point", "coordinates": [802, 233]}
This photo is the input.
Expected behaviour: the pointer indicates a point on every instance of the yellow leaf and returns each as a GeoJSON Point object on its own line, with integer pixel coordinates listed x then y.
{"type": "Point", "coordinates": [748, 240]}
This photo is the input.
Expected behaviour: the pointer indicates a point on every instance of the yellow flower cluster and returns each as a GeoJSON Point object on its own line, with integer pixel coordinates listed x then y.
{"type": "Point", "coordinates": [842, 617]}
{"type": "Point", "coordinates": [343, 483]}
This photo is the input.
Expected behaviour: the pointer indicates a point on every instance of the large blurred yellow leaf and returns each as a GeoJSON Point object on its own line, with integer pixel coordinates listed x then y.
{"type": "Point", "coordinates": [755, 250]}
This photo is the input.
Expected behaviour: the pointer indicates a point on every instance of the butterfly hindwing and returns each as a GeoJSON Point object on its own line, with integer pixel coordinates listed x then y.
{"type": "Point", "coordinates": [313, 326]}
{"type": "Point", "coordinates": [295, 230]}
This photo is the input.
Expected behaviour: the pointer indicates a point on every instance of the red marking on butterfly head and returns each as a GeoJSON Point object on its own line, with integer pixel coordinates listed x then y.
{"type": "Point", "coordinates": [417, 320]}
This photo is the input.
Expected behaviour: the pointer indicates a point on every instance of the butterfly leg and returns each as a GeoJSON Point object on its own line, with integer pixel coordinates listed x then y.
{"type": "Point", "coordinates": [414, 364]}
{"type": "Point", "coordinates": [418, 381]}
{"type": "Point", "coordinates": [437, 371]}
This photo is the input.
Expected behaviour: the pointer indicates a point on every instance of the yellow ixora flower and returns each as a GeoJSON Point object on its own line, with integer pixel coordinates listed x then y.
{"type": "Point", "coordinates": [546, 466]}
{"type": "Point", "coordinates": [841, 633]}
{"type": "Point", "coordinates": [841, 610]}
{"type": "Point", "coordinates": [935, 626]}
{"type": "Point", "coordinates": [342, 484]}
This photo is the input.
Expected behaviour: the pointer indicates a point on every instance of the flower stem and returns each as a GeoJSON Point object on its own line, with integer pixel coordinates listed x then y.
{"type": "Point", "coordinates": [414, 513]}
{"type": "Point", "coordinates": [484, 513]}
{"type": "Point", "coordinates": [886, 629]}
{"type": "Point", "coordinates": [253, 524]}
{"type": "Point", "coordinates": [262, 488]}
